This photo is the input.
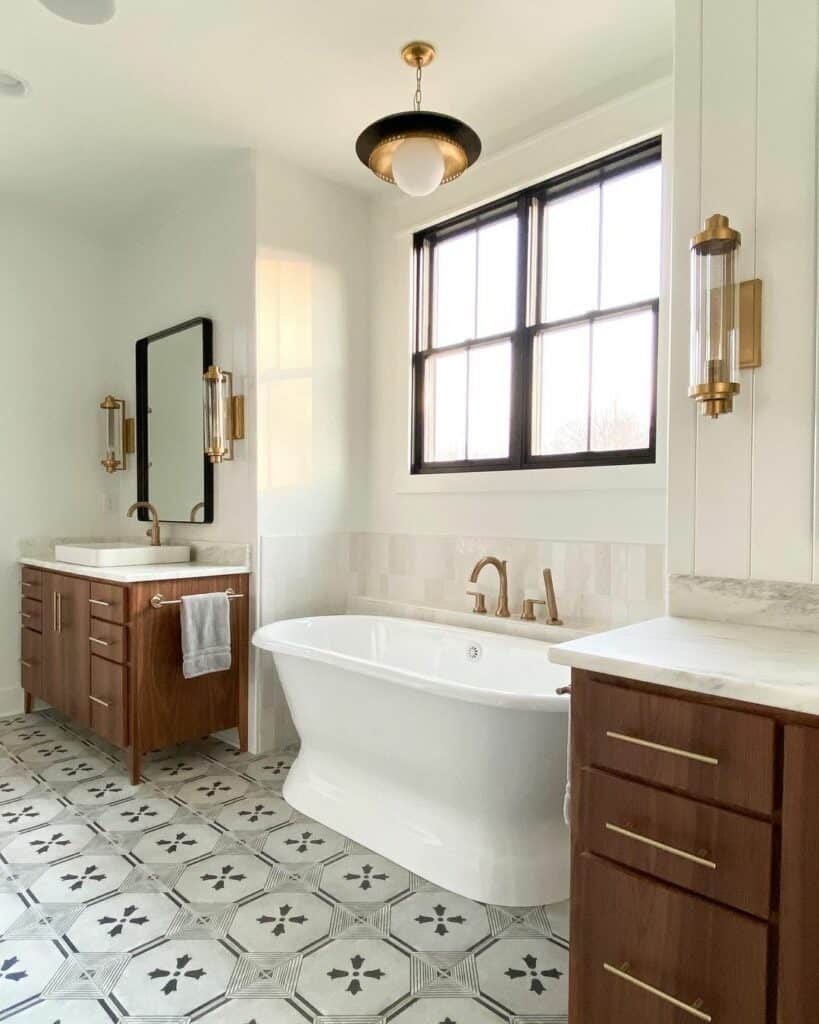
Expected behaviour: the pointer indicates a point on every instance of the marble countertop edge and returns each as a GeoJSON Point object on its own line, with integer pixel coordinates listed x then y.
{"type": "Point", "coordinates": [138, 573]}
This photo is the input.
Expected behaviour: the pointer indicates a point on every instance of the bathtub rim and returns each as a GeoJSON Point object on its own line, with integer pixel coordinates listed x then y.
{"type": "Point", "coordinates": [440, 686]}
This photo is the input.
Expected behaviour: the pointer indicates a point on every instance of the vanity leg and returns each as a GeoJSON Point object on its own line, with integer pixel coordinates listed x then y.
{"type": "Point", "coordinates": [27, 702]}
{"type": "Point", "coordinates": [136, 764]}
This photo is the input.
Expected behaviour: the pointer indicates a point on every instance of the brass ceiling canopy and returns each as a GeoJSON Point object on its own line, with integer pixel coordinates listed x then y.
{"type": "Point", "coordinates": [418, 150]}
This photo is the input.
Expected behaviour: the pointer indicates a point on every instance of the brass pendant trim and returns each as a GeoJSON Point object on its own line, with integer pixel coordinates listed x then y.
{"type": "Point", "coordinates": [455, 158]}
{"type": "Point", "coordinates": [418, 54]}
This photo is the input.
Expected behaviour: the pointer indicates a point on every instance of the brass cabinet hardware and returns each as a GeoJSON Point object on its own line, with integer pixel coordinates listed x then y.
{"type": "Point", "coordinates": [26, 664]}
{"type": "Point", "coordinates": [59, 612]}
{"type": "Point", "coordinates": [480, 602]}
{"type": "Point", "coordinates": [528, 611]}
{"type": "Point", "coordinates": [673, 850]}
{"type": "Point", "coordinates": [702, 758]}
{"type": "Point", "coordinates": [96, 640]}
{"type": "Point", "coordinates": [25, 615]}
{"type": "Point", "coordinates": [157, 601]}
{"type": "Point", "coordinates": [96, 600]}
{"type": "Point", "coordinates": [25, 583]}
{"type": "Point", "coordinates": [691, 1008]}
{"type": "Point", "coordinates": [96, 700]}
{"type": "Point", "coordinates": [502, 610]}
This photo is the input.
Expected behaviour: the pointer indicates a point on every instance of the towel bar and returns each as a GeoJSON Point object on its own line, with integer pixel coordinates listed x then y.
{"type": "Point", "coordinates": [157, 601]}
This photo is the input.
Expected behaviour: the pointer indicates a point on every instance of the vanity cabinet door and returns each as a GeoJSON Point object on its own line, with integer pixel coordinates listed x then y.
{"type": "Point", "coordinates": [66, 665]}
{"type": "Point", "coordinates": [650, 954]}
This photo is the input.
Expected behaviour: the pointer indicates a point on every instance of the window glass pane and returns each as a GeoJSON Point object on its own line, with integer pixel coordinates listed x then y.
{"type": "Point", "coordinates": [561, 390]}
{"type": "Point", "coordinates": [497, 277]}
{"type": "Point", "coordinates": [445, 407]}
{"type": "Point", "coordinates": [622, 370]}
{"type": "Point", "coordinates": [490, 383]}
{"type": "Point", "coordinates": [455, 269]}
{"type": "Point", "coordinates": [632, 205]}
{"type": "Point", "coordinates": [570, 251]}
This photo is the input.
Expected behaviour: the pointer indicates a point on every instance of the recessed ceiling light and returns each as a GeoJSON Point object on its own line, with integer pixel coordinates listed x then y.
{"type": "Point", "coordinates": [11, 85]}
{"type": "Point", "coordinates": [83, 12]}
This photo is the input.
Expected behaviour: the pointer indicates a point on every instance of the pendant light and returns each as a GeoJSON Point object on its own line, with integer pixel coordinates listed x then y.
{"type": "Point", "coordinates": [418, 150]}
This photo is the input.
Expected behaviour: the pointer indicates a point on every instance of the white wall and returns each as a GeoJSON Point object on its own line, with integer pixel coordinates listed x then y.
{"type": "Point", "coordinates": [624, 504]}
{"type": "Point", "coordinates": [193, 255]}
{"type": "Point", "coordinates": [54, 297]}
{"type": "Point", "coordinates": [741, 488]}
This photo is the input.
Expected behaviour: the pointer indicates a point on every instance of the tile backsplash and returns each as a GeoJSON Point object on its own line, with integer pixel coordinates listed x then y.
{"type": "Point", "coordinates": [596, 583]}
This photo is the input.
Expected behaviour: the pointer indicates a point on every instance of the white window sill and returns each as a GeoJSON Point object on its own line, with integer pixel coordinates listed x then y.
{"type": "Point", "coordinates": [575, 478]}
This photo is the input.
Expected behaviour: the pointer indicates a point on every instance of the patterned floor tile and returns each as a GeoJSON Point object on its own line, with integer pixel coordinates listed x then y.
{"type": "Point", "coordinates": [303, 841]}
{"type": "Point", "coordinates": [177, 977]}
{"type": "Point", "coordinates": [122, 923]}
{"type": "Point", "coordinates": [281, 922]}
{"type": "Point", "coordinates": [200, 895]}
{"type": "Point", "coordinates": [439, 920]}
{"type": "Point", "coordinates": [354, 976]}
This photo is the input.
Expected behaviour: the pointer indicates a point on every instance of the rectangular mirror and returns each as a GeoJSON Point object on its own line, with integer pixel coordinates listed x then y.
{"type": "Point", "coordinates": [173, 472]}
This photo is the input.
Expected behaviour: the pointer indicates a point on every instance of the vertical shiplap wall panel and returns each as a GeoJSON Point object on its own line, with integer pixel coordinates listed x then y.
{"type": "Point", "coordinates": [783, 455]}
{"type": "Point", "coordinates": [728, 185]}
{"type": "Point", "coordinates": [685, 212]}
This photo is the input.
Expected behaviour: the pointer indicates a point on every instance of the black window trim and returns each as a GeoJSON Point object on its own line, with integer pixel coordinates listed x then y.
{"type": "Point", "coordinates": [528, 325]}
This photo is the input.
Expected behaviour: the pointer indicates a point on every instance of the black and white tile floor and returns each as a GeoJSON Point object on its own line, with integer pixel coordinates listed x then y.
{"type": "Point", "coordinates": [202, 896]}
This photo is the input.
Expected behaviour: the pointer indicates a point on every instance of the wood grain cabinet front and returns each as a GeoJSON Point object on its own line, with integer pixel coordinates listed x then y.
{"type": "Point", "coordinates": [31, 583]}
{"type": "Point", "coordinates": [109, 602]}
{"type": "Point", "coordinates": [31, 665]}
{"type": "Point", "coordinates": [650, 954]}
{"type": "Point", "coordinates": [108, 640]}
{"type": "Point", "coordinates": [707, 752]}
{"type": "Point", "coordinates": [707, 850]}
{"type": "Point", "coordinates": [108, 701]}
{"type": "Point", "coordinates": [31, 614]}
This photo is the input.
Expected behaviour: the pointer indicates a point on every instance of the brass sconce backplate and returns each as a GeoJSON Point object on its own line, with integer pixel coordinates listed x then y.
{"type": "Point", "coordinates": [750, 324]}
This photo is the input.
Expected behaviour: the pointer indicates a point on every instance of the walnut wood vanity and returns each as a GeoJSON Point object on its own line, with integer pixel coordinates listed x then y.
{"type": "Point", "coordinates": [695, 857]}
{"type": "Point", "coordinates": [111, 661]}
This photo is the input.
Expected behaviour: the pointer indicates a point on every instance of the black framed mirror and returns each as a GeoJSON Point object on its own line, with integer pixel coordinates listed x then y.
{"type": "Point", "coordinates": [173, 472]}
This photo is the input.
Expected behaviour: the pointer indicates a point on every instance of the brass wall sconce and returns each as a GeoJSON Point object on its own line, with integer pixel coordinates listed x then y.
{"type": "Point", "coordinates": [726, 318]}
{"type": "Point", "coordinates": [224, 414]}
{"type": "Point", "coordinates": [119, 434]}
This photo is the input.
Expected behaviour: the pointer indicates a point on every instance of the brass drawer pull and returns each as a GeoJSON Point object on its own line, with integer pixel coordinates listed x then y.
{"type": "Point", "coordinates": [26, 664]}
{"type": "Point", "coordinates": [702, 861]}
{"type": "Point", "coordinates": [691, 1008]}
{"type": "Point", "coordinates": [96, 700]}
{"type": "Point", "coordinates": [96, 640]}
{"type": "Point", "coordinates": [25, 583]}
{"type": "Point", "coordinates": [102, 604]}
{"type": "Point", "coordinates": [702, 758]}
{"type": "Point", "coordinates": [25, 615]}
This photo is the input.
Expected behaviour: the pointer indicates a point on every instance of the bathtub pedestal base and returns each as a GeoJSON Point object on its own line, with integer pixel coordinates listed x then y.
{"type": "Point", "coordinates": [477, 859]}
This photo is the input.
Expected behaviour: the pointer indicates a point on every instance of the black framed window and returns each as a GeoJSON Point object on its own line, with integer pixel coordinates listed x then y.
{"type": "Point", "coordinates": [536, 321]}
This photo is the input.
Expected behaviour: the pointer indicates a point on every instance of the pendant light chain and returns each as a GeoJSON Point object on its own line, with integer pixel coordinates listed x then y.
{"type": "Point", "coordinates": [417, 99]}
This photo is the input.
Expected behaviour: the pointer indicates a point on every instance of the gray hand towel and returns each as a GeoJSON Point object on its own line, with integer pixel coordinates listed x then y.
{"type": "Point", "coordinates": [205, 621]}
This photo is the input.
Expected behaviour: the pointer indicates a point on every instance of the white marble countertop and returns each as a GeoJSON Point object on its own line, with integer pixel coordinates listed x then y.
{"type": "Point", "coordinates": [778, 668]}
{"type": "Point", "coordinates": [139, 573]}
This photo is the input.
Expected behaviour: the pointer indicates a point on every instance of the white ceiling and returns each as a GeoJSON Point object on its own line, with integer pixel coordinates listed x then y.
{"type": "Point", "coordinates": [115, 108]}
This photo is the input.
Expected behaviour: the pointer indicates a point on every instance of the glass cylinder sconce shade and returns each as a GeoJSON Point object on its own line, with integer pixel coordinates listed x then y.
{"type": "Point", "coordinates": [218, 395]}
{"type": "Point", "coordinates": [715, 323]}
{"type": "Point", "coordinates": [118, 440]}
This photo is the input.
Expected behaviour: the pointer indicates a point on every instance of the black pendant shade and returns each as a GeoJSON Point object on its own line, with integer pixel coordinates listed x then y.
{"type": "Point", "coordinates": [460, 146]}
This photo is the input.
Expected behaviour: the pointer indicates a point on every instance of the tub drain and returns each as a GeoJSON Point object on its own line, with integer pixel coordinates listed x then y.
{"type": "Point", "coordinates": [473, 652]}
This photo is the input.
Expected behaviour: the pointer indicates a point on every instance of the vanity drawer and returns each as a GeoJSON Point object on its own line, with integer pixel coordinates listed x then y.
{"type": "Point", "coordinates": [649, 954]}
{"type": "Point", "coordinates": [108, 701]}
{"type": "Point", "coordinates": [108, 640]}
{"type": "Point", "coordinates": [31, 662]}
{"type": "Point", "coordinates": [707, 752]}
{"type": "Point", "coordinates": [108, 602]}
{"type": "Point", "coordinates": [717, 853]}
{"type": "Point", "coordinates": [31, 614]}
{"type": "Point", "coordinates": [31, 583]}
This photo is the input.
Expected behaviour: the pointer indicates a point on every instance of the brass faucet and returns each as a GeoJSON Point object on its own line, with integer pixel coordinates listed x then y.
{"type": "Point", "coordinates": [502, 611]}
{"type": "Point", "coordinates": [153, 533]}
{"type": "Point", "coordinates": [551, 599]}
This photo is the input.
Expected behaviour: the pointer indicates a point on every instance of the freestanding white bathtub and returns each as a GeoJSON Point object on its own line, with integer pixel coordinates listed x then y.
{"type": "Point", "coordinates": [442, 749]}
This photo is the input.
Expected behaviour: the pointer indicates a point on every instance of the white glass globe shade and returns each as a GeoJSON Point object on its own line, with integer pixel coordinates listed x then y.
{"type": "Point", "coordinates": [417, 166]}
{"type": "Point", "coordinates": [83, 12]}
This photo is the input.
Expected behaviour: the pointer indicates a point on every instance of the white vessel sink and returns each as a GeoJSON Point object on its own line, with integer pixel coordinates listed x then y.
{"type": "Point", "coordinates": [110, 553]}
